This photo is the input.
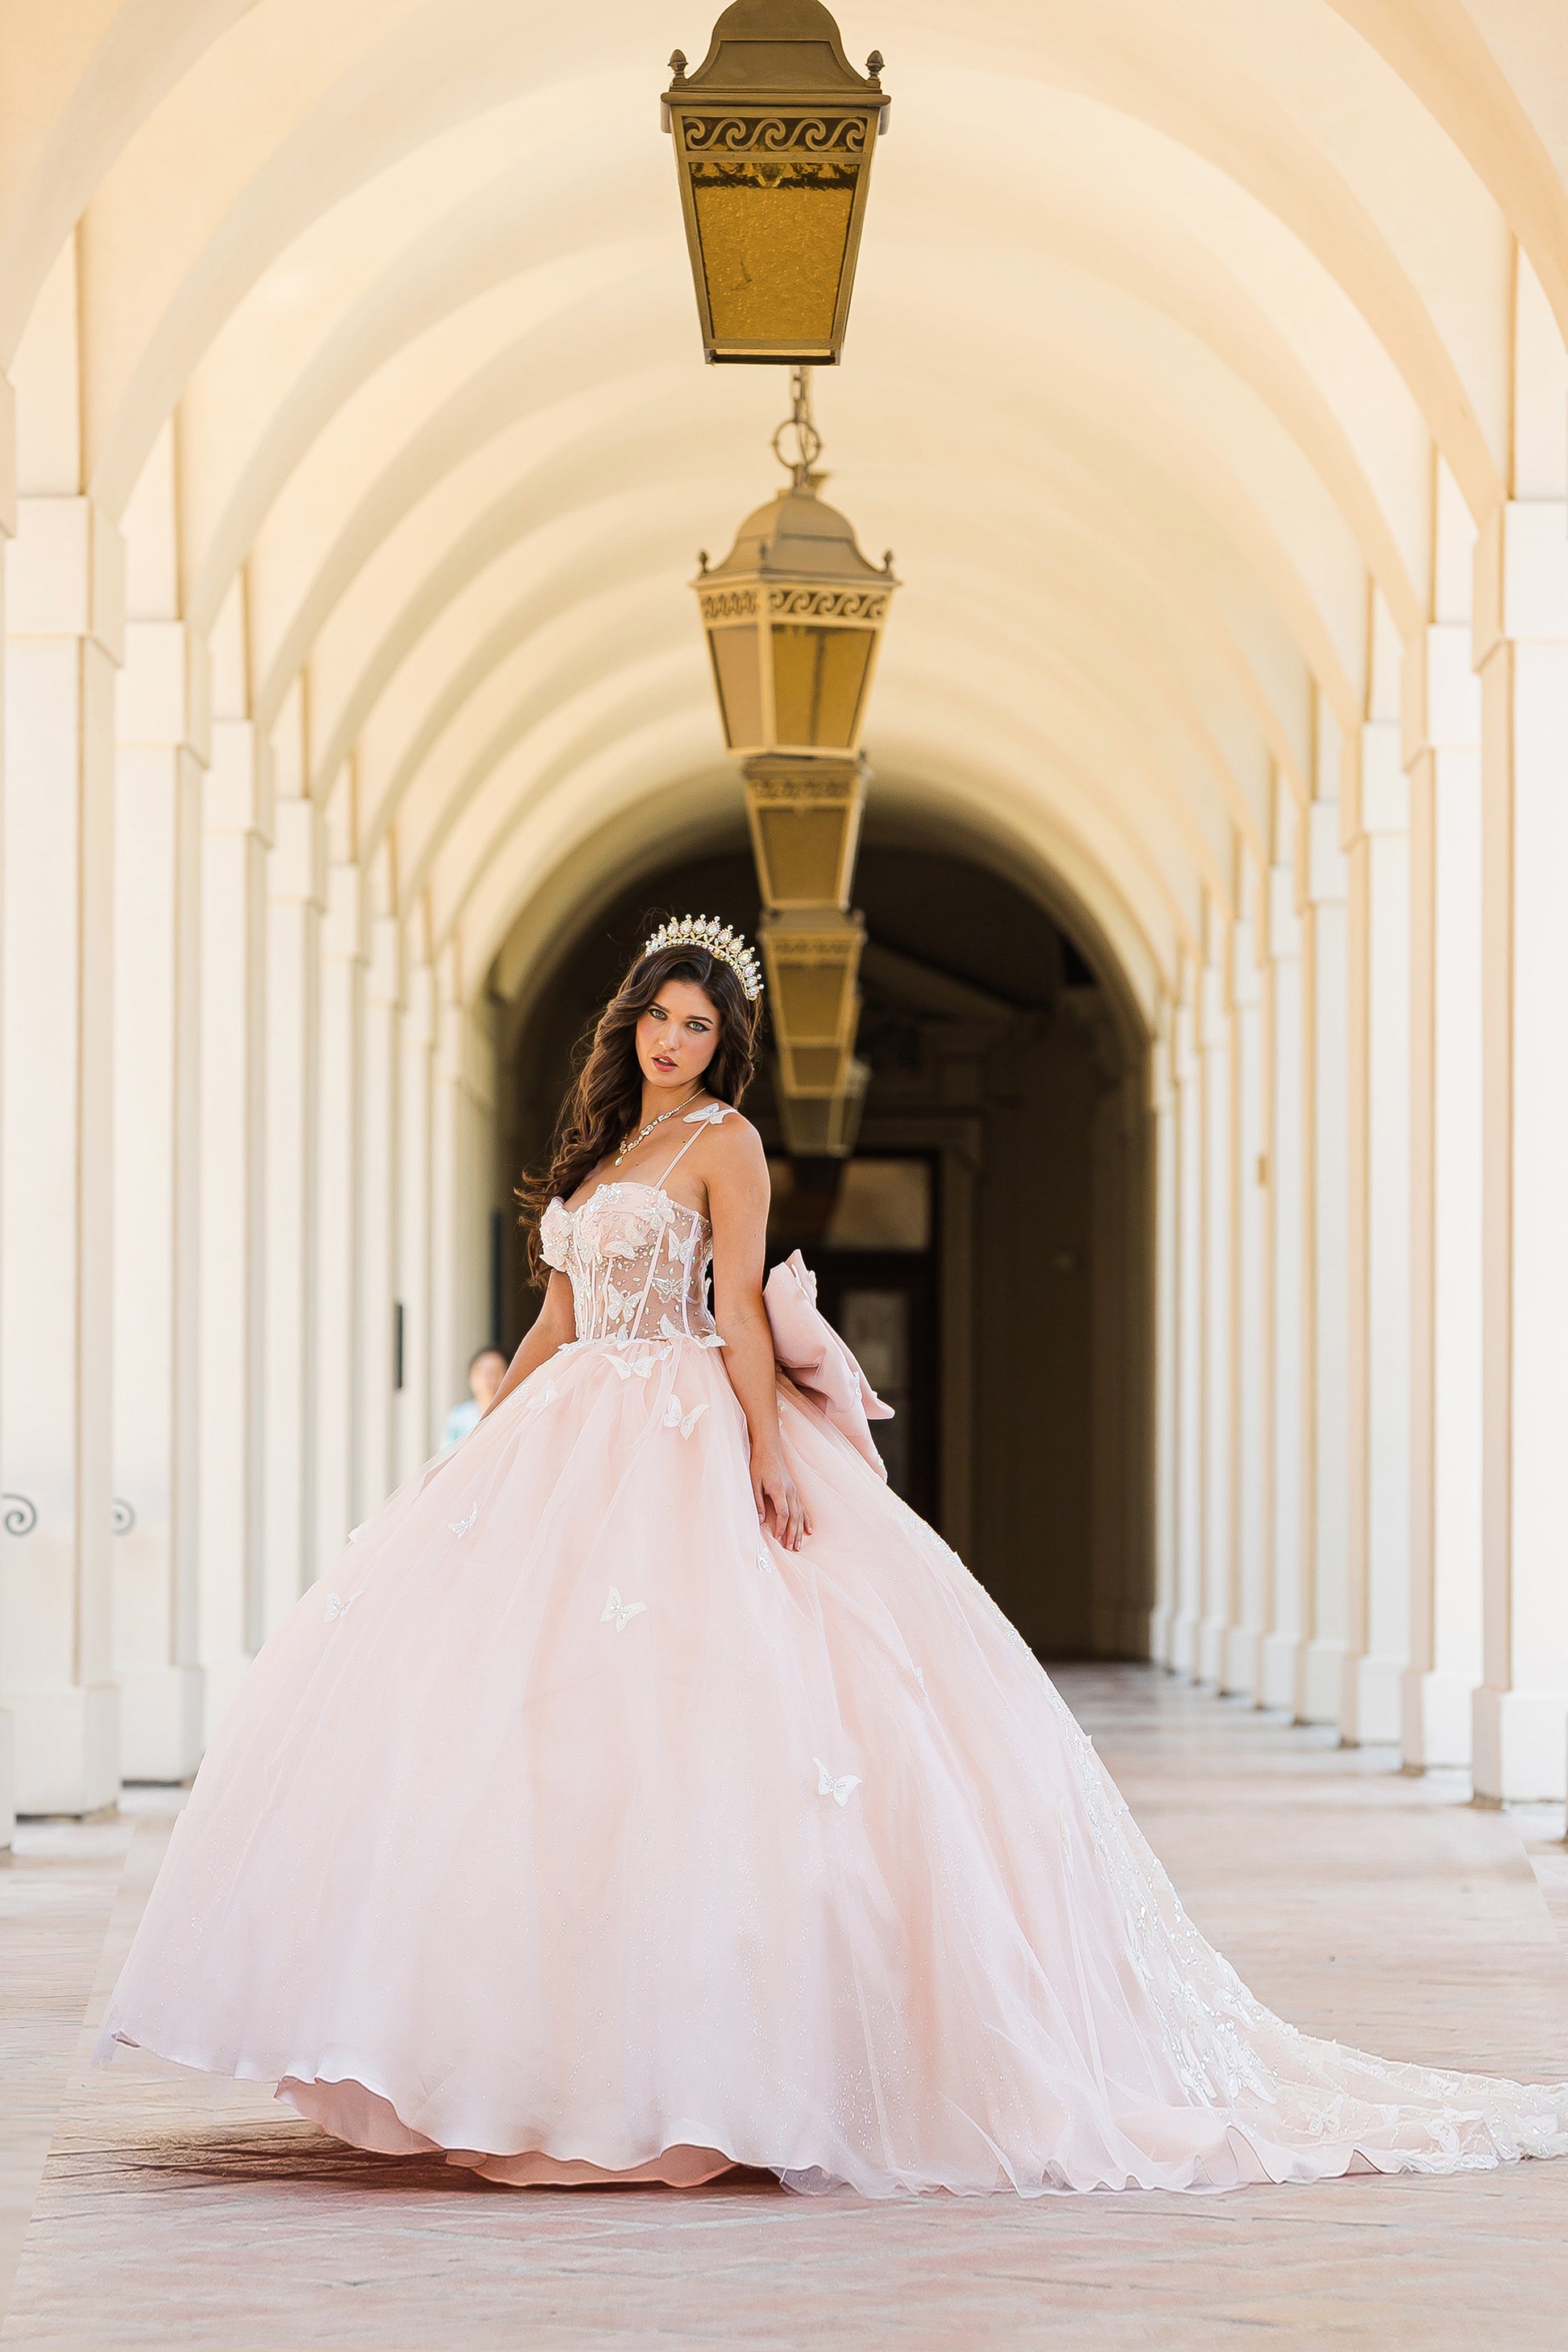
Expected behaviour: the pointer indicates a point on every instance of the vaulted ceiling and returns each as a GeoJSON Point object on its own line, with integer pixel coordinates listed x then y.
{"type": "Point", "coordinates": [1177, 323]}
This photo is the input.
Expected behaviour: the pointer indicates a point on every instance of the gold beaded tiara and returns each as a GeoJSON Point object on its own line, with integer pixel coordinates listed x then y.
{"type": "Point", "coordinates": [719, 940]}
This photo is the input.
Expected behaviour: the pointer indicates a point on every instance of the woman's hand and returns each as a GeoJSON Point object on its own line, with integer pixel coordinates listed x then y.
{"type": "Point", "coordinates": [778, 1502]}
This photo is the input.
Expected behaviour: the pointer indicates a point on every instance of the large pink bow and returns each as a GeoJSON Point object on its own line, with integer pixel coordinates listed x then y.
{"type": "Point", "coordinates": [816, 1360]}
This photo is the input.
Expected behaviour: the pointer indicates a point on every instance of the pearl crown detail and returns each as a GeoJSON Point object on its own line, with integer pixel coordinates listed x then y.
{"type": "Point", "coordinates": [719, 940]}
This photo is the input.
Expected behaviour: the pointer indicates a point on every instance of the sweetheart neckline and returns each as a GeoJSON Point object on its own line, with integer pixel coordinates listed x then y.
{"type": "Point", "coordinates": [627, 1184]}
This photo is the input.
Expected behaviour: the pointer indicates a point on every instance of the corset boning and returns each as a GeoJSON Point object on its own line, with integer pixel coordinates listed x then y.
{"type": "Point", "coordinates": [637, 1263]}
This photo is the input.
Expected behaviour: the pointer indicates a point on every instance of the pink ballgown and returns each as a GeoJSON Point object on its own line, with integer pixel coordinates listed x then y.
{"type": "Point", "coordinates": [573, 1829]}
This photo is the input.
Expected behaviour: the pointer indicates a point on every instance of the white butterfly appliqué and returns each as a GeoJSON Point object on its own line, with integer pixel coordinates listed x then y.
{"type": "Point", "coordinates": [620, 1612]}
{"type": "Point", "coordinates": [539, 1398]}
{"type": "Point", "coordinates": [338, 1607]}
{"type": "Point", "coordinates": [675, 1418]}
{"type": "Point", "coordinates": [630, 1370]}
{"type": "Point", "coordinates": [461, 1527]}
{"type": "Point", "coordinates": [840, 1790]}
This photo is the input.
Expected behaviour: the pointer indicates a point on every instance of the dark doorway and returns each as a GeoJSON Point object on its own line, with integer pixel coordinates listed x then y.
{"type": "Point", "coordinates": [1009, 1327]}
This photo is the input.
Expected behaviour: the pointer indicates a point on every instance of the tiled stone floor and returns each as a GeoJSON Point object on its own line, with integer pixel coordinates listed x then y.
{"type": "Point", "coordinates": [146, 2207]}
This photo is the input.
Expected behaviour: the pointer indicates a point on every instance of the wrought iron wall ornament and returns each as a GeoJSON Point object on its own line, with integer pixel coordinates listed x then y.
{"type": "Point", "coordinates": [123, 1516]}
{"type": "Point", "coordinates": [774, 137]}
{"type": "Point", "coordinates": [21, 1514]}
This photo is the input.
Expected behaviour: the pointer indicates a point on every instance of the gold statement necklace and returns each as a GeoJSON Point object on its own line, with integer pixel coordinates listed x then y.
{"type": "Point", "coordinates": [644, 1132]}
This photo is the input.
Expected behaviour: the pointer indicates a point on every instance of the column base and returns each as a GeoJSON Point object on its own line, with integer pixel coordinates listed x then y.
{"type": "Point", "coordinates": [222, 1678]}
{"type": "Point", "coordinates": [1161, 1624]}
{"type": "Point", "coordinates": [1211, 1649]}
{"type": "Point", "coordinates": [1435, 1711]}
{"type": "Point", "coordinates": [1184, 1642]}
{"type": "Point", "coordinates": [161, 1715]}
{"type": "Point", "coordinates": [7, 1782]}
{"type": "Point", "coordinates": [1519, 1741]}
{"type": "Point", "coordinates": [68, 1749]}
{"type": "Point", "coordinates": [1243, 1645]}
{"type": "Point", "coordinates": [1371, 1711]}
{"type": "Point", "coordinates": [1279, 1669]}
{"type": "Point", "coordinates": [1319, 1672]}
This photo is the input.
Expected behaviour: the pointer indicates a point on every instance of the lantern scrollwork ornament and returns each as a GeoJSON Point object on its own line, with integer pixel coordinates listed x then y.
{"type": "Point", "coordinates": [774, 136]}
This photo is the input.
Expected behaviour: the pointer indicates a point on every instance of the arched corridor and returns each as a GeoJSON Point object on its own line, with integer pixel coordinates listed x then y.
{"type": "Point", "coordinates": [1207, 373]}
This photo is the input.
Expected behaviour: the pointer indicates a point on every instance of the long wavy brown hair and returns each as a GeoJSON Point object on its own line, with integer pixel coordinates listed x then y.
{"type": "Point", "coordinates": [604, 1100]}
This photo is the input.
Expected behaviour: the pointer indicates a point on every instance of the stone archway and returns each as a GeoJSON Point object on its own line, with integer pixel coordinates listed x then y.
{"type": "Point", "coordinates": [1008, 1097]}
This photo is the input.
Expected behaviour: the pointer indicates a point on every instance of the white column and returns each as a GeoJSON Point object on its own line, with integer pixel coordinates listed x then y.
{"type": "Point", "coordinates": [1377, 1550]}
{"type": "Point", "coordinates": [1189, 1334]}
{"type": "Point", "coordinates": [1521, 1716]}
{"type": "Point", "coordinates": [7, 531]}
{"type": "Point", "coordinates": [1287, 1209]}
{"type": "Point", "coordinates": [1325, 977]}
{"type": "Point", "coordinates": [1218, 1271]}
{"type": "Point", "coordinates": [1163, 1107]}
{"type": "Point", "coordinates": [337, 1500]}
{"type": "Point", "coordinates": [236, 825]}
{"type": "Point", "coordinates": [1443, 725]}
{"type": "Point", "coordinates": [415, 1438]}
{"type": "Point", "coordinates": [162, 732]}
{"type": "Point", "coordinates": [378, 1210]}
{"type": "Point", "coordinates": [294, 891]}
{"type": "Point", "coordinates": [65, 578]}
{"type": "Point", "coordinates": [450, 1244]}
{"type": "Point", "coordinates": [1249, 1411]}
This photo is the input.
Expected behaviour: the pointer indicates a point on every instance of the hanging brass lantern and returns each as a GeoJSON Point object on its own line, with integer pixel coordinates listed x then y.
{"type": "Point", "coordinates": [795, 614]}
{"type": "Point", "coordinates": [804, 816]}
{"type": "Point", "coordinates": [824, 1127]}
{"type": "Point", "coordinates": [812, 960]}
{"type": "Point", "coordinates": [774, 134]}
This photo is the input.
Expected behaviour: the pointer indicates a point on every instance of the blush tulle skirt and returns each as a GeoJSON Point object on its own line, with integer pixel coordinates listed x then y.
{"type": "Point", "coordinates": [571, 1828]}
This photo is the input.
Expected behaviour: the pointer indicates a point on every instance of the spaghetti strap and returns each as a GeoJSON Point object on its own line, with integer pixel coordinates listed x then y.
{"type": "Point", "coordinates": [714, 1116]}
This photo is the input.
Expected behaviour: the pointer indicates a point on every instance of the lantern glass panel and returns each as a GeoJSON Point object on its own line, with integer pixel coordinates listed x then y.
{"type": "Point", "coordinates": [816, 1067]}
{"type": "Point", "coordinates": [737, 680]}
{"type": "Point", "coordinates": [802, 851]}
{"type": "Point", "coordinates": [813, 998]}
{"type": "Point", "coordinates": [773, 236]}
{"type": "Point", "coordinates": [819, 682]}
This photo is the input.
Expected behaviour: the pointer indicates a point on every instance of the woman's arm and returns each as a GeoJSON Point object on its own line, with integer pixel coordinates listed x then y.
{"type": "Point", "coordinates": [737, 1174]}
{"type": "Point", "coordinates": [553, 1327]}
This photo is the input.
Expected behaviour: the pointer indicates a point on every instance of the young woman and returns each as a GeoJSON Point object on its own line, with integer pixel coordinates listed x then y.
{"type": "Point", "coordinates": [648, 1791]}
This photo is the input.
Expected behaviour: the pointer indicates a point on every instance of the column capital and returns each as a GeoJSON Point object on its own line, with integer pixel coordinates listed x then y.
{"type": "Point", "coordinates": [1328, 881]}
{"type": "Point", "coordinates": [1377, 789]}
{"type": "Point", "coordinates": [67, 576]}
{"type": "Point", "coordinates": [298, 868]}
{"type": "Point", "coordinates": [165, 688]}
{"type": "Point", "coordinates": [343, 925]}
{"type": "Point", "coordinates": [237, 790]}
{"type": "Point", "coordinates": [1521, 575]}
{"type": "Point", "coordinates": [1441, 693]}
{"type": "Point", "coordinates": [383, 980]}
{"type": "Point", "coordinates": [1284, 919]}
{"type": "Point", "coordinates": [419, 1005]}
{"type": "Point", "coordinates": [7, 458]}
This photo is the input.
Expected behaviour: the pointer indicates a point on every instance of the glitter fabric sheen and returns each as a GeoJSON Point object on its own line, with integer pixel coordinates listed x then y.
{"type": "Point", "coordinates": [569, 1831]}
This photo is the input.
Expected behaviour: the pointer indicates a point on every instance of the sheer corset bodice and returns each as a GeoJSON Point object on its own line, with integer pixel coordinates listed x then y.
{"type": "Point", "coordinates": [638, 1260]}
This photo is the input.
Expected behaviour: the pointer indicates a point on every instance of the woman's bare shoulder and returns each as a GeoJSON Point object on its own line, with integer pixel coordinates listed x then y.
{"type": "Point", "coordinates": [733, 1146]}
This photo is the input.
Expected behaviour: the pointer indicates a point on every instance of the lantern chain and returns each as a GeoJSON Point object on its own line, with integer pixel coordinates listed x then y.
{"type": "Point", "coordinates": [807, 444]}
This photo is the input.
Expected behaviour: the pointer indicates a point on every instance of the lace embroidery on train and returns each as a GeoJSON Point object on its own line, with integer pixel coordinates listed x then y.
{"type": "Point", "coordinates": [638, 1261]}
